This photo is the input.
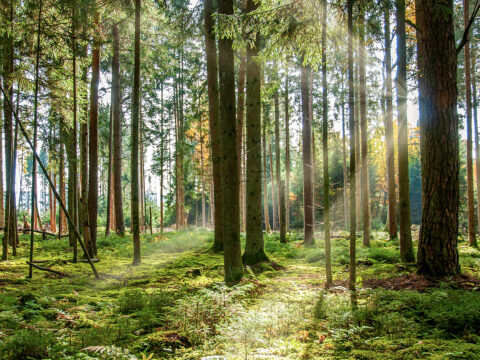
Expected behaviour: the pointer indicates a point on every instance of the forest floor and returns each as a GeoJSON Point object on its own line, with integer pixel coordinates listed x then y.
{"type": "Point", "coordinates": [175, 306]}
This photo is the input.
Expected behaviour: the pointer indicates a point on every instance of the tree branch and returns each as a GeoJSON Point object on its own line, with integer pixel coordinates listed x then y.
{"type": "Point", "coordinates": [466, 33]}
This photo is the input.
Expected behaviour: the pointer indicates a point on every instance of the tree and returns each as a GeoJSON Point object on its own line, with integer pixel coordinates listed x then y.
{"type": "Point", "coordinates": [287, 155]}
{"type": "Point", "coordinates": [437, 66]}
{"type": "Point", "coordinates": [472, 224]}
{"type": "Point", "coordinates": [231, 211]}
{"type": "Point", "coordinates": [392, 198]}
{"type": "Point", "coordinates": [117, 134]}
{"type": "Point", "coordinates": [135, 189]}
{"type": "Point", "coordinates": [326, 179]}
{"type": "Point", "coordinates": [254, 251]}
{"type": "Point", "coordinates": [307, 157]}
{"type": "Point", "coordinates": [214, 122]}
{"type": "Point", "coordinates": [406, 248]}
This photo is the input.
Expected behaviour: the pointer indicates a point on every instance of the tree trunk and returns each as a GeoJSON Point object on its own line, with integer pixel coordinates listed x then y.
{"type": "Point", "coordinates": [475, 125]}
{"type": "Point", "coordinates": [406, 248]}
{"type": "Point", "coordinates": [266, 215]}
{"type": "Point", "coordinates": [93, 145]}
{"type": "Point", "coordinates": [62, 224]}
{"type": "Point", "coordinates": [365, 196]}
{"type": "Point", "coordinates": [2, 204]}
{"type": "Point", "coordinates": [214, 122]}
{"type": "Point", "coordinates": [231, 212]}
{"type": "Point", "coordinates": [117, 134]}
{"type": "Point", "coordinates": [351, 106]}
{"type": "Point", "coordinates": [84, 164]}
{"type": "Point", "coordinates": [272, 177]}
{"type": "Point", "coordinates": [344, 153]}
{"type": "Point", "coordinates": [437, 65]}
{"type": "Point", "coordinates": [110, 210]}
{"type": "Point", "coordinates": [277, 157]}
{"type": "Point", "coordinates": [135, 141]}
{"type": "Point", "coordinates": [287, 155]}
{"type": "Point", "coordinates": [307, 157]}
{"type": "Point", "coordinates": [326, 178]}
{"type": "Point", "coordinates": [162, 156]}
{"type": "Point", "coordinates": [240, 120]}
{"type": "Point", "coordinates": [472, 225]}
{"type": "Point", "coordinates": [392, 198]}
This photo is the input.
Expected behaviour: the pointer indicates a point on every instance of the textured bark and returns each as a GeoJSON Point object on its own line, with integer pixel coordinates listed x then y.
{"type": "Point", "coordinates": [266, 215]}
{"type": "Point", "coordinates": [84, 164]}
{"type": "Point", "coordinates": [437, 65]}
{"type": "Point", "coordinates": [274, 199]}
{"type": "Point", "coordinates": [277, 158]}
{"type": "Point", "coordinates": [240, 121]}
{"type": "Point", "coordinates": [472, 224]}
{"type": "Point", "coordinates": [110, 210]}
{"type": "Point", "coordinates": [231, 212]}
{"type": "Point", "coordinates": [326, 178]}
{"type": "Point", "coordinates": [93, 147]}
{"type": "Point", "coordinates": [475, 126]}
{"type": "Point", "coordinates": [135, 168]}
{"type": "Point", "coordinates": [62, 223]}
{"type": "Point", "coordinates": [307, 157]}
{"type": "Point", "coordinates": [287, 155]}
{"type": "Point", "coordinates": [392, 198]}
{"type": "Point", "coordinates": [214, 122]}
{"type": "Point", "coordinates": [406, 248]}
{"type": "Point", "coordinates": [117, 135]}
{"type": "Point", "coordinates": [344, 157]}
{"type": "Point", "coordinates": [351, 106]}
{"type": "Point", "coordinates": [365, 183]}
{"type": "Point", "coordinates": [2, 204]}
{"type": "Point", "coordinates": [254, 251]}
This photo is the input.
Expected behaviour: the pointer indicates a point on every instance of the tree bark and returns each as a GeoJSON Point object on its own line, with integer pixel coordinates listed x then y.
{"type": "Point", "coordinates": [287, 155]}
{"type": "Point", "coordinates": [406, 247]}
{"type": "Point", "coordinates": [231, 212]}
{"type": "Point", "coordinates": [135, 141]}
{"type": "Point", "coordinates": [254, 246]}
{"type": "Point", "coordinates": [240, 121]}
{"type": "Point", "coordinates": [475, 125]}
{"type": "Point", "coordinates": [272, 177]}
{"type": "Point", "coordinates": [307, 157]}
{"type": "Point", "coordinates": [266, 215]}
{"type": "Point", "coordinates": [437, 65]}
{"type": "Point", "coordinates": [214, 122]}
{"type": "Point", "coordinates": [326, 178]}
{"type": "Point", "coordinates": [365, 196]}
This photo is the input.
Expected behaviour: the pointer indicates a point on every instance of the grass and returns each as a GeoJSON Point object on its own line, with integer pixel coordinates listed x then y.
{"type": "Point", "coordinates": [175, 305]}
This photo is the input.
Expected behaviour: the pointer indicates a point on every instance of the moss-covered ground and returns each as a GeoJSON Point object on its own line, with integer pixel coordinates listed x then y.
{"type": "Point", "coordinates": [175, 306]}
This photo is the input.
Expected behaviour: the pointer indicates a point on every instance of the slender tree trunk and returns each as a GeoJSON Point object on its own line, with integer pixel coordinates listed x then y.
{"type": "Point", "coordinates": [62, 225]}
{"type": "Point", "coordinates": [240, 121]}
{"type": "Point", "coordinates": [358, 149]}
{"type": "Point", "coordinates": [117, 134]}
{"type": "Point", "coordinates": [406, 247]}
{"type": "Point", "coordinates": [287, 154]}
{"type": "Point", "coordinates": [392, 198]}
{"type": "Point", "coordinates": [437, 65]}
{"type": "Point", "coordinates": [472, 225]}
{"type": "Point", "coordinates": [108, 224]}
{"type": "Point", "coordinates": [307, 157]}
{"type": "Point", "coordinates": [363, 119]}
{"type": "Point", "coordinates": [351, 106]}
{"type": "Point", "coordinates": [214, 122]}
{"type": "Point", "coordinates": [231, 212]}
{"type": "Point", "coordinates": [475, 125]}
{"type": "Point", "coordinates": [2, 204]}
{"type": "Point", "coordinates": [93, 145]}
{"type": "Point", "coordinates": [266, 215]}
{"type": "Point", "coordinates": [162, 156]}
{"type": "Point", "coordinates": [344, 153]}
{"type": "Point", "coordinates": [326, 178]}
{"type": "Point", "coordinates": [272, 177]}
{"type": "Point", "coordinates": [135, 139]}
{"type": "Point", "coordinates": [280, 195]}
{"type": "Point", "coordinates": [85, 228]}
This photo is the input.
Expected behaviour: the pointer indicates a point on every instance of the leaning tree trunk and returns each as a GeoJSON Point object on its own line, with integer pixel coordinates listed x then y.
{"type": "Point", "coordinates": [351, 107]}
{"type": "Point", "coordinates": [326, 179]}
{"type": "Point", "coordinates": [93, 146]}
{"type": "Point", "coordinates": [365, 196]}
{"type": "Point", "coordinates": [214, 123]}
{"type": "Point", "coordinates": [135, 141]}
{"type": "Point", "coordinates": [231, 212]}
{"type": "Point", "coordinates": [472, 225]}
{"type": "Point", "coordinates": [437, 67]}
{"type": "Point", "coordinates": [307, 157]}
{"type": "Point", "coordinates": [254, 250]}
{"type": "Point", "coordinates": [406, 248]}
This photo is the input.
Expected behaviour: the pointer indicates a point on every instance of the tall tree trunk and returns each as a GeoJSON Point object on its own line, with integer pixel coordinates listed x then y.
{"type": "Point", "coordinates": [162, 156]}
{"type": "Point", "coordinates": [406, 247]}
{"type": "Point", "coordinates": [475, 125]}
{"type": "Point", "coordinates": [62, 223]}
{"type": "Point", "coordinates": [358, 149]}
{"type": "Point", "coordinates": [110, 210]}
{"type": "Point", "coordinates": [326, 178]}
{"type": "Point", "coordinates": [344, 153]}
{"type": "Point", "coordinates": [392, 198]}
{"type": "Point", "coordinates": [287, 155]}
{"type": "Point", "coordinates": [117, 134]}
{"type": "Point", "coordinates": [135, 188]}
{"type": "Point", "coordinates": [266, 215]}
{"type": "Point", "coordinates": [85, 228]}
{"type": "Point", "coordinates": [307, 157]}
{"type": "Point", "coordinates": [231, 212]}
{"type": "Point", "coordinates": [2, 204]}
{"type": "Point", "coordinates": [363, 119]}
{"type": "Point", "coordinates": [214, 122]}
{"type": "Point", "coordinates": [437, 65]}
{"type": "Point", "coordinates": [351, 107]}
{"type": "Point", "coordinates": [93, 145]}
{"type": "Point", "coordinates": [280, 197]}
{"type": "Point", "coordinates": [472, 225]}
{"type": "Point", "coordinates": [272, 177]}
{"type": "Point", "coordinates": [240, 120]}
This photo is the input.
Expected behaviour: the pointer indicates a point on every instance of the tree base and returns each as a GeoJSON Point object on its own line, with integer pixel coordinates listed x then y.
{"type": "Point", "coordinates": [254, 259]}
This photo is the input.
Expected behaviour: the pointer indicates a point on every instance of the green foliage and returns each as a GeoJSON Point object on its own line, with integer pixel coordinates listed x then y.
{"type": "Point", "coordinates": [28, 344]}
